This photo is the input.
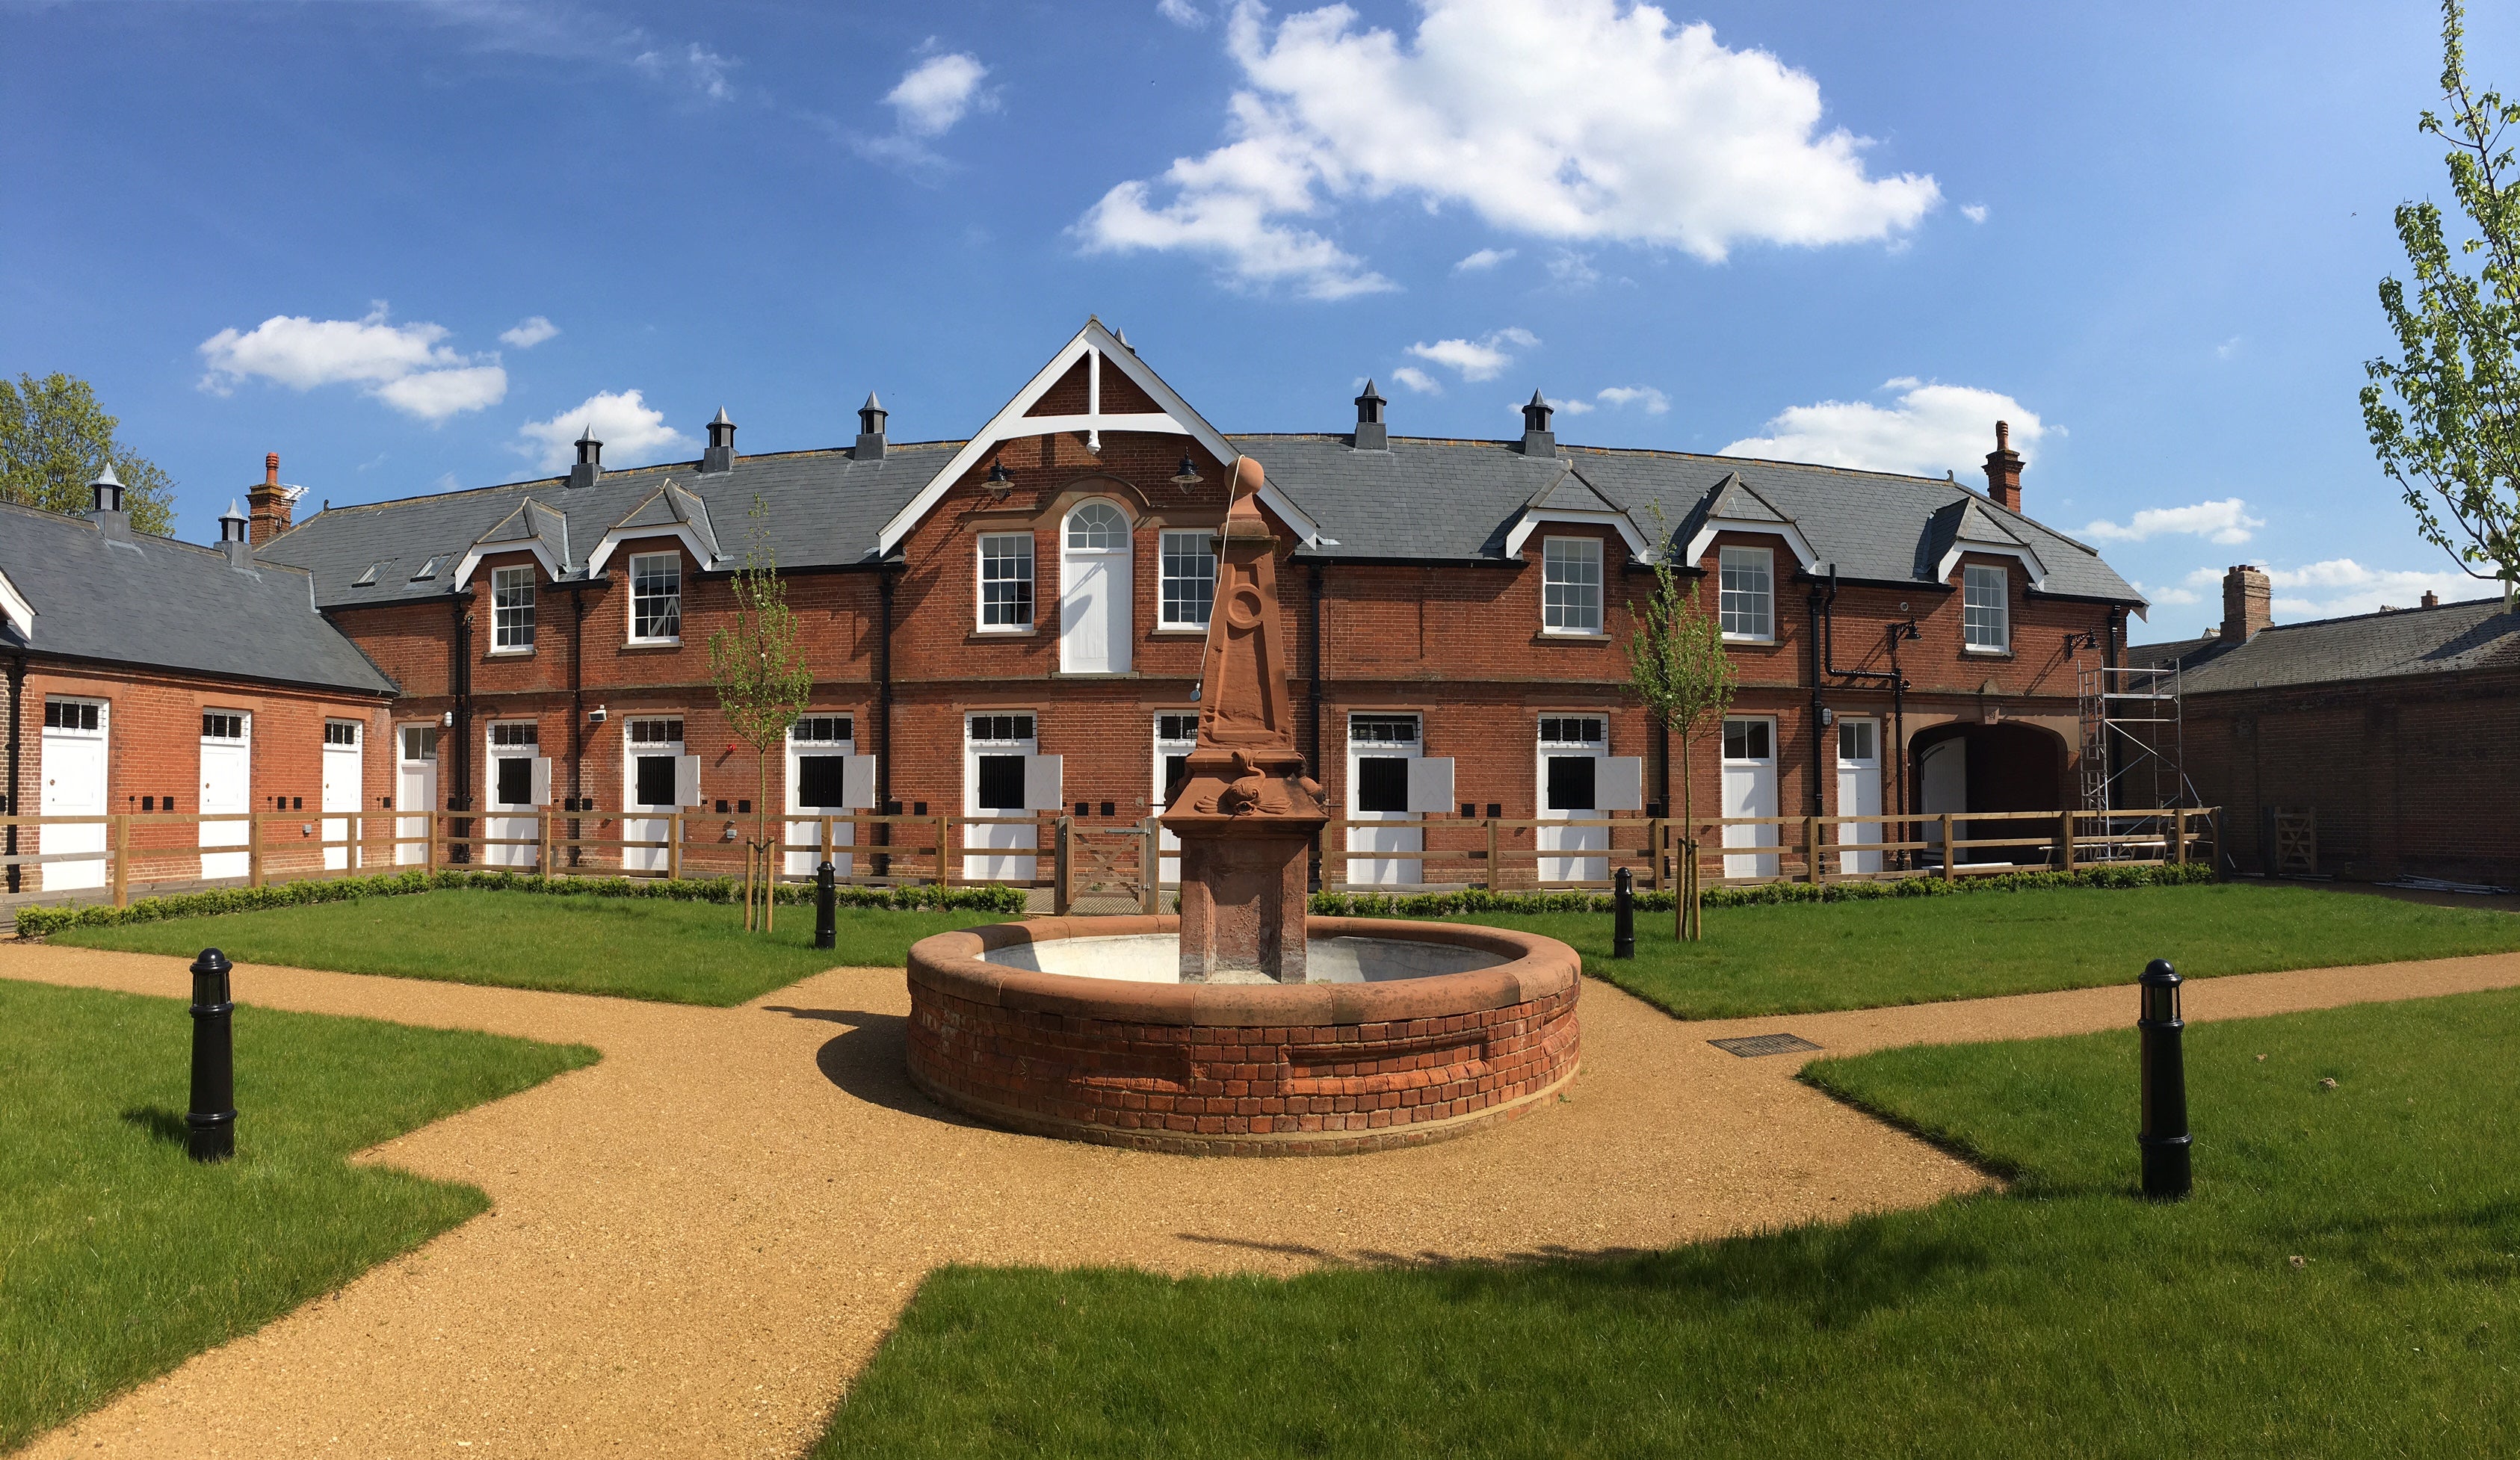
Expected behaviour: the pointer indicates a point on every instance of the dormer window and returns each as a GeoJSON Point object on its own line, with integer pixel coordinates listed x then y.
{"type": "Point", "coordinates": [512, 610]}
{"type": "Point", "coordinates": [1746, 581]}
{"type": "Point", "coordinates": [656, 597]}
{"type": "Point", "coordinates": [1986, 608]}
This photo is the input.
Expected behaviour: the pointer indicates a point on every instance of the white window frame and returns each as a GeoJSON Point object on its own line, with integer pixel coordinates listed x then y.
{"type": "Point", "coordinates": [1570, 586]}
{"type": "Point", "coordinates": [504, 637]}
{"type": "Point", "coordinates": [1170, 586]}
{"type": "Point", "coordinates": [1986, 621]}
{"type": "Point", "coordinates": [1030, 578]}
{"type": "Point", "coordinates": [637, 558]}
{"type": "Point", "coordinates": [1733, 604]}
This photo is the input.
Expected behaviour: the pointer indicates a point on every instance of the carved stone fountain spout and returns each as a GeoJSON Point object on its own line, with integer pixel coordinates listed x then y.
{"type": "Point", "coordinates": [1247, 813]}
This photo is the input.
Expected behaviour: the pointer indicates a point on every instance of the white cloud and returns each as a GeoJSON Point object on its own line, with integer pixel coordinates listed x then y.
{"type": "Point", "coordinates": [408, 367]}
{"type": "Point", "coordinates": [1930, 429]}
{"type": "Point", "coordinates": [2224, 522]}
{"type": "Point", "coordinates": [630, 431]}
{"type": "Point", "coordinates": [703, 69]}
{"type": "Point", "coordinates": [2339, 586]}
{"type": "Point", "coordinates": [1482, 359]}
{"type": "Point", "coordinates": [528, 333]}
{"type": "Point", "coordinates": [1654, 400]}
{"type": "Point", "coordinates": [1417, 379]}
{"type": "Point", "coordinates": [1183, 14]}
{"type": "Point", "coordinates": [937, 93]}
{"type": "Point", "coordinates": [1578, 120]}
{"type": "Point", "coordinates": [1573, 270]}
{"type": "Point", "coordinates": [2228, 348]}
{"type": "Point", "coordinates": [566, 32]}
{"type": "Point", "coordinates": [1484, 259]}
{"type": "Point", "coordinates": [1975, 212]}
{"type": "Point", "coordinates": [2169, 597]}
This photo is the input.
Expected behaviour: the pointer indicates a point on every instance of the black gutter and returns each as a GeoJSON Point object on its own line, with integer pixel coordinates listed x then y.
{"type": "Point", "coordinates": [17, 750]}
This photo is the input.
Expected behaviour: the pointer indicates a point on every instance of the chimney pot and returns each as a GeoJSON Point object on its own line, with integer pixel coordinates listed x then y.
{"type": "Point", "coordinates": [271, 469]}
{"type": "Point", "coordinates": [2247, 603]}
{"type": "Point", "coordinates": [269, 502]}
{"type": "Point", "coordinates": [2004, 469]}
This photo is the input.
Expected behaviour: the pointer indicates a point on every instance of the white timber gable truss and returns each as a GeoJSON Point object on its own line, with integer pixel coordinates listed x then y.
{"type": "Point", "coordinates": [1980, 532]}
{"type": "Point", "coordinates": [1100, 349]}
{"type": "Point", "coordinates": [16, 612]}
{"type": "Point", "coordinates": [1570, 501]}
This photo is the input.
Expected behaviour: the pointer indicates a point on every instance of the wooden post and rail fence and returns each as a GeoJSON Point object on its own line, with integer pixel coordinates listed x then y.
{"type": "Point", "coordinates": [1124, 861]}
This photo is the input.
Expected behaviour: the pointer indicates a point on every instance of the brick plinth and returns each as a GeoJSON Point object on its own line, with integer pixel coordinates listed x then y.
{"type": "Point", "coordinates": [1244, 1069]}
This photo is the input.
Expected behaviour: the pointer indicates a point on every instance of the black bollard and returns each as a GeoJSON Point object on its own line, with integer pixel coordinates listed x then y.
{"type": "Point", "coordinates": [210, 1126]}
{"type": "Point", "coordinates": [827, 918]}
{"type": "Point", "coordinates": [1623, 914]}
{"type": "Point", "coordinates": [2163, 1138]}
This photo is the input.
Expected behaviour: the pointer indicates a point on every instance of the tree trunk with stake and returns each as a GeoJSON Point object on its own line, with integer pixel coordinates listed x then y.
{"type": "Point", "coordinates": [763, 683]}
{"type": "Point", "coordinates": [1678, 668]}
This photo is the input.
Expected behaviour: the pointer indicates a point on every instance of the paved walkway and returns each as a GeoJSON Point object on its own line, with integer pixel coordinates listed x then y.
{"type": "Point", "coordinates": [698, 1241]}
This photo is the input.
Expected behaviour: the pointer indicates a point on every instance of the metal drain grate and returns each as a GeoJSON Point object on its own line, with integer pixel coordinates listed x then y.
{"type": "Point", "coordinates": [1756, 1046]}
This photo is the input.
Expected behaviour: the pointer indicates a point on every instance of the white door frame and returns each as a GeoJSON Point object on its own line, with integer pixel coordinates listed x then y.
{"type": "Point", "coordinates": [227, 779]}
{"type": "Point", "coordinates": [1097, 596]}
{"type": "Point", "coordinates": [1571, 838]}
{"type": "Point", "coordinates": [1750, 790]}
{"type": "Point", "coordinates": [647, 820]}
{"type": "Point", "coordinates": [511, 824]}
{"type": "Point", "coordinates": [1168, 866]}
{"type": "Point", "coordinates": [1025, 837]}
{"type": "Point", "coordinates": [74, 767]}
{"type": "Point", "coordinates": [810, 833]}
{"type": "Point", "coordinates": [1859, 794]}
{"type": "Point", "coordinates": [1404, 832]}
{"type": "Point", "coordinates": [415, 790]}
{"type": "Point", "coordinates": [344, 793]}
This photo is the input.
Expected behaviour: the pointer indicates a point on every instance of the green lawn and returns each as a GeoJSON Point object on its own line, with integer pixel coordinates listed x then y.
{"type": "Point", "coordinates": [2067, 1318]}
{"type": "Point", "coordinates": [120, 1256]}
{"type": "Point", "coordinates": [636, 948]}
{"type": "Point", "coordinates": [1808, 956]}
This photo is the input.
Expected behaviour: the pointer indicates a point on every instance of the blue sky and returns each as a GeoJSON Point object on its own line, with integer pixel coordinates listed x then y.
{"type": "Point", "coordinates": [2149, 234]}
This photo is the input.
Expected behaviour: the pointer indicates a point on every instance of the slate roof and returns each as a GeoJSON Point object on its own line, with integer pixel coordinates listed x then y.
{"type": "Point", "coordinates": [156, 602]}
{"type": "Point", "coordinates": [2453, 637]}
{"type": "Point", "coordinates": [1422, 500]}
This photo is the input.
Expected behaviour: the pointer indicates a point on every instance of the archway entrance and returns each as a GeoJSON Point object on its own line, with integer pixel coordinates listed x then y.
{"type": "Point", "coordinates": [1964, 766]}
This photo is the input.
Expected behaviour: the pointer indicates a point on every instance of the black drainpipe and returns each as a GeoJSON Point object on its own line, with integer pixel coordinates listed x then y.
{"type": "Point", "coordinates": [462, 797]}
{"type": "Point", "coordinates": [1313, 750]}
{"type": "Point", "coordinates": [17, 751]}
{"type": "Point", "coordinates": [1817, 746]}
{"type": "Point", "coordinates": [576, 713]}
{"type": "Point", "coordinates": [883, 716]}
{"type": "Point", "coordinates": [2108, 743]}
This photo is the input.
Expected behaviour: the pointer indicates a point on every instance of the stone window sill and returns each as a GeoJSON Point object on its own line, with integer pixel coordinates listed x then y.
{"type": "Point", "coordinates": [1567, 636]}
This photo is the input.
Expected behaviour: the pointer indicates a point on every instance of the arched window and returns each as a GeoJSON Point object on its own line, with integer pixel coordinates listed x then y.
{"type": "Point", "coordinates": [1098, 526]}
{"type": "Point", "coordinates": [1096, 592]}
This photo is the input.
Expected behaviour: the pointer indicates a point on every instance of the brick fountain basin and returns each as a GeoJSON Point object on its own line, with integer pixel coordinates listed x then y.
{"type": "Point", "coordinates": [1410, 1032]}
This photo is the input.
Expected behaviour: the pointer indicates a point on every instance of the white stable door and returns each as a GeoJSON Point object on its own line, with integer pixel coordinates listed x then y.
{"type": "Point", "coordinates": [1942, 785]}
{"type": "Point", "coordinates": [1094, 590]}
{"type": "Point", "coordinates": [1573, 748]}
{"type": "Point", "coordinates": [73, 771]}
{"type": "Point", "coordinates": [998, 752]}
{"type": "Point", "coordinates": [653, 783]}
{"type": "Point", "coordinates": [344, 765]}
{"type": "Point", "coordinates": [1380, 748]}
{"type": "Point", "coordinates": [415, 791]}
{"type": "Point", "coordinates": [519, 785]}
{"type": "Point", "coordinates": [1176, 737]}
{"type": "Point", "coordinates": [820, 748]}
{"type": "Point", "coordinates": [1858, 790]}
{"type": "Point", "coordinates": [227, 788]}
{"type": "Point", "coordinates": [1749, 790]}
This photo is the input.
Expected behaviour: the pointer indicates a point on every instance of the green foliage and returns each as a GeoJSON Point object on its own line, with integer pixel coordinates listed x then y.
{"type": "Point", "coordinates": [53, 440]}
{"type": "Point", "coordinates": [2343, 1283]}
{"type": "Point", "coordinates": [1678, 668]}
{"type": "Point", "coordinates": [1761, 895]}
{"type": "Point", "coordinates": [763, 681]}
{"type": "Point", "coordinates": [2455, 446]}
{"type": "Point", "coordinates": [119, 1258]}
{"type": "Point", "coordinates": [37, 922]}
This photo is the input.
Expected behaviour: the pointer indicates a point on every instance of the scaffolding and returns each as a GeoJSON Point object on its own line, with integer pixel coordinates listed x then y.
{"type": "Point", "coordinates": [2133, 747]}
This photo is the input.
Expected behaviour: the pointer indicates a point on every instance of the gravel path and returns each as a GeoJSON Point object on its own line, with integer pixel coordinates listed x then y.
{"type": "Point", "coordinates": [697, 1241]}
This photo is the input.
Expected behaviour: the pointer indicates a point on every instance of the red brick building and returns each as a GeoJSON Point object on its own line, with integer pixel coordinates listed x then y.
{"type": "Point", "coordinates": [1013, 621]}
{"type": "Point", "coordinates": [2383, 739]}
{"type": "Point", "coordinates": [151, 677]}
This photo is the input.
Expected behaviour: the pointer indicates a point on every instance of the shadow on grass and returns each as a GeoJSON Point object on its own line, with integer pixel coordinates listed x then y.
{"type": "Point", "coordinates": [871, 1061]}
{"type": "Point", "coordinates": [162, 1123]}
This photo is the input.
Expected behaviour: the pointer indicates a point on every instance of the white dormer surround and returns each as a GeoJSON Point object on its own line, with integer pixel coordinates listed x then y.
{"type": "Point", "coordinates": [533, 514]}
{"type": "Point", "coordinates": [670, 511]}
{"type": "Point", "coordinates": [1791, 535]}
{"type": "Point", "coordinates": [14, 607]}
{"type": "Point", "coordinates": [1531, 518]}
{"type": "Point", "coordinates": [1979, 532]}
{"type": "Point", "coordinates": [1093, 344]}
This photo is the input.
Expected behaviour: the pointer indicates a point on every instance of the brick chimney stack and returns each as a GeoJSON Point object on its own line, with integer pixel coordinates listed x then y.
{"type": "Point", "coordinates": [2431, 599]}
{"type": "Point", "coordinates": [2247, 603]}
{"type": "Point", "coordinates": [269, 502]}
{"type": "Point", "coordinates": [2004, 469]}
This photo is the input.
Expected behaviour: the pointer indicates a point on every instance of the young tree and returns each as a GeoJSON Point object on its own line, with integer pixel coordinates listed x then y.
{"type": "Point", "coordinates": [1677, 666]}
{"type": "Point", "coordinates": [53, 439]}
{"type": "Point", "coordinates": [763, 683]}
{"type": "Point", "coordinates": [2453, 431]}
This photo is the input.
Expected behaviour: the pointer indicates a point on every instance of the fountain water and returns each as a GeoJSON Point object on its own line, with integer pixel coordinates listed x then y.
{"type": "Point", "coordinates": [1242, 1025]}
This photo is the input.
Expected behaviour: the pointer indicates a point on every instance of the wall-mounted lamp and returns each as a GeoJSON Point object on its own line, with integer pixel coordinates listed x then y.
{"type": "Point", "coordinates": [447, 719]}
{"type": "Point", "coordinates": [1000, 480]}
{"type": "Point", "coordinates": [729, 832]}
{"type": "Point", "coordinates": [1827, 716]}
{"type": "Point", "coordinates": [597, 715]}
{"type": "Point", "coordinates": [1187, 478]}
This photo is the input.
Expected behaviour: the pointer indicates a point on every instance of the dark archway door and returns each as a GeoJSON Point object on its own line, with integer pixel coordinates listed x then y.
{"type": "Point", "coordinates": [1962, 767]}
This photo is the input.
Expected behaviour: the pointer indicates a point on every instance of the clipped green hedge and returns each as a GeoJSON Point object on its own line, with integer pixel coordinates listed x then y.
{"type": "Point", "coordinates": [1474, 899]}
{"type": "Point", "coordinates": [35, 922]}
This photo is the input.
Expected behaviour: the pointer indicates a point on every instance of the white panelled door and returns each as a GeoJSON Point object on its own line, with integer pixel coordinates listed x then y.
{"type": "Point", "coordinates": [1176, 735]}
{"type": "Point", "coordinates": [1859, 789]}
{"type": "Point", "coordinates": [415, 791]}
{"type": "Point", "coordinates": [819, 748]}
{"type": "Point", "coordinates": [1573, 748]}
{"type": "Point", "coordinates": [1750, 790]}
{"type": "Point", "coordinates": [1380, 748]}
{"type": "Point", "coordinates": [516, 787]}
{"type": "Point", "coordinates": [652, 754]}
{"type": "Point", "coordinates": [344, 764]}
{"type": "Point", "coordinates": [998, 749]}
{"type": "Point", "coordinates": [227, 789]}
{"type": "Point", "coordinates": [1094, 589]}
{"type": "Point", "coordinates": [74, 770]}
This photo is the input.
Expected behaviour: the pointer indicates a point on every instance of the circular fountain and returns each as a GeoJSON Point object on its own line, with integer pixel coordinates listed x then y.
{"type": "Point", "coordinates": [1242, 1025]}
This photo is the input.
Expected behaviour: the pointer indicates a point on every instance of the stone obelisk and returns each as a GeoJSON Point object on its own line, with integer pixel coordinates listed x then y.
{"type": "Point", "coordinates": [1247, 813]}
